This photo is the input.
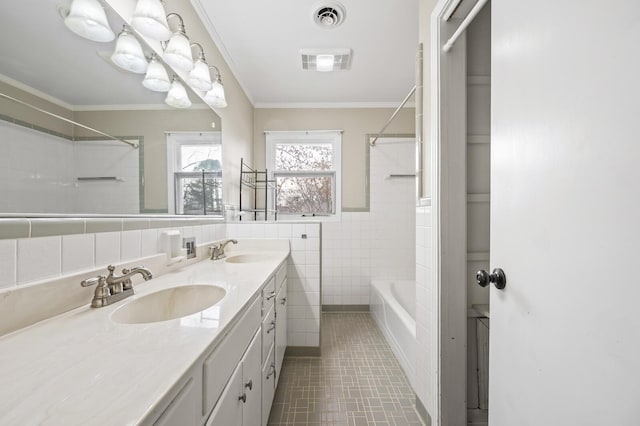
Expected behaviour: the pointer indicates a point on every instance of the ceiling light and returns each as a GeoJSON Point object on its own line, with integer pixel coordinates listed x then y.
{"type": "Point", "coordinates": [215, 97]}
{"type": "Point", "coordinates": [199, 77]}
{"type": "Point", "coordinates": [177, 52]}
{"type": "Point", "coordinates": [156, 78]}
{"type": "Point", "coordinates": [128, 54]}
{"type": "Point", "coordinates": [149, 19]}
{"type": "Point", "coordinates": [177, 96]}
{"type": "Point", "coordinates": [325, 60]}
{"type": "Point", "coordinates": [88, 19]}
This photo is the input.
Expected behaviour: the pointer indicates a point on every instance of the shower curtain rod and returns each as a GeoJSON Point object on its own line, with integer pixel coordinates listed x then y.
{"type": "Point", "coordinates": [393, 116]}
{"type": "Point", "coordinates": [28, 105]}
{"type": "Point", "coordinates": [463, 26]}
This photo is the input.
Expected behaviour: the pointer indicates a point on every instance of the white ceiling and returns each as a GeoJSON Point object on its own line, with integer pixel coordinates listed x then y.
{"type": "Point", "coordinates": [261, 39]}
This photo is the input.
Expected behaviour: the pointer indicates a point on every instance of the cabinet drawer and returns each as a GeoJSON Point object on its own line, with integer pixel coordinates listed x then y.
{"type": "Point", "coordinates": [220, 364]}
{"type": "Point", "coordinates": [268, 295]}
{"type": "Point", "coordinates": [268, 332]}
{"type": "Point", "coordinates": [281, 275]}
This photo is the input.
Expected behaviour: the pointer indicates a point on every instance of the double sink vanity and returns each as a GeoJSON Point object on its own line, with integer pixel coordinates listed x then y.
{"type": "Point", "coordinates": [201, 344]}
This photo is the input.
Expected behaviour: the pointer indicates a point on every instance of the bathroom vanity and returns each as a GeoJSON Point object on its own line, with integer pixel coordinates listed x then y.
{"type": "Point", "coordinates": [128, 364]}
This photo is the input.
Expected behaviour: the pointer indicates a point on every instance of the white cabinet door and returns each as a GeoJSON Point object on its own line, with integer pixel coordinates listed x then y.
{"type": "Point", "coordinates": [281, 327]}
{"type": "Point", "coordinates": [565, 211]}
{"type": "Point", "coordinates": [252, 383]}
{"type": "Point", "coordinates": [184, 409]}
{"type": "Point", "coordinates": [228, 410]}
{"type": "Point", "coordinates": [268, 386]}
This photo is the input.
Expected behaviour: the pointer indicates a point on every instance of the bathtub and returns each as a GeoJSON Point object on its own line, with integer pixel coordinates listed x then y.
{"type": "Point", "coordinates": [393, 307]}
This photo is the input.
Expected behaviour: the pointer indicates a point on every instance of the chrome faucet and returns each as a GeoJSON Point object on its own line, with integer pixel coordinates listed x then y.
{"type": "Point", "coordinates": [111, 289]}
{"type": "Point", "coordinates": [217, 250]}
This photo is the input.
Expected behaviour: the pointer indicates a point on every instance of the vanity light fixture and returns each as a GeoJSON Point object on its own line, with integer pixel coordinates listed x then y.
{"type": "Point", "coordinates": [128, 54]}
{"type": "Point", "coordinates": [88, 19]}
{"type": "Point", "coordinates": [156, 78]}
{"type": "Point", "coordinates": [199, 77]}
{"type": "Point", "coordinates": [177, 52]}
{"type": "Point", "coordinates": [150, 20]}
{"type": "Point", "coordinates": [177, 96]}
{"type": "Point", "coordinates": [215, 97]}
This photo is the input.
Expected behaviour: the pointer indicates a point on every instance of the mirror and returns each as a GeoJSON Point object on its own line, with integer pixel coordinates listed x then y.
{"type": "Point", "coordinates": [52, 166]}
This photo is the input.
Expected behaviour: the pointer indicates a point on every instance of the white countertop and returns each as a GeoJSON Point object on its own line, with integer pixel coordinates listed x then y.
{"type": "Point", "coordinates": [81, 368]}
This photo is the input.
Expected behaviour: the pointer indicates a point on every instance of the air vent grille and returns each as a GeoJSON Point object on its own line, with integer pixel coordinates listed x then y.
{"type": "Point", "coordinates": [329, 14]}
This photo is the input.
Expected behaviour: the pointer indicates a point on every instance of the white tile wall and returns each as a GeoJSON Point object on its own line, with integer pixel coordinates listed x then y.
{"type": "Point", "coordinates": [28, 260]}
{"type": "Point", "coordinates": [426, 310]}
{"type": "Point", "coordinates": [38, 258]}
{"type": "Point", "coordinates": [52, 185]}
{"type": "Point", "coordinates": [7, 263]}
{"type": "Point", "coordinates": [375, 244]}
{"type": "Point", "coordinates": [303, 274]}
{"type": "Point", "coordinates": [78, 252]}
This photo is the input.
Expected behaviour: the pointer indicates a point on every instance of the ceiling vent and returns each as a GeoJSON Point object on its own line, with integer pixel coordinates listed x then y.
{"type": "Point", "coordinates": [325, 60]}
{"type": "Point", "coordinates": [329, 14]}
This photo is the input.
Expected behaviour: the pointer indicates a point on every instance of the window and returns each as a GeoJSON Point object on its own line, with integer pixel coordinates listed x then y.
{"type": "Point", "coordinates": [195, 173]}
{"type": "Point", "coordinates": [306, 169]}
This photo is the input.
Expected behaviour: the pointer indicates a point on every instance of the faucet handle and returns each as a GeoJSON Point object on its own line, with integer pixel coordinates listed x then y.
{"type": "Point", "coordinates": [92, 281]}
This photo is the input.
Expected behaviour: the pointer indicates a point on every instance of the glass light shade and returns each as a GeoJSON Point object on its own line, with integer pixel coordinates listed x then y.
{"type": "Point", "coordinates": [177, 96]}
{"type": "Point", "coordinates": [156, 78]}
{"type": "Point", "coordinates": [88, 19]}
{"type": "Point", "coordinates": [150, 20]}
{"type": "Point", "coordinates": [128, 54]}
{"type": "Point", "coordinates": [199, 77]}
{"type": "Point", "coordinates": [215, 97]}
{"type": "Point", "coordinates": [178, 52]}
{"type": "Point", "coordinates": [325, 63]}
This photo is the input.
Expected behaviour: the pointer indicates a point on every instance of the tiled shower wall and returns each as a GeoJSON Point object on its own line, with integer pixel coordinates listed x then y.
{"type": "Point", "coordinates": [425, 381]}
{"type": "Point", "coordinates": [32, 180]}
{"type": "Point", "coordinates": [377, 244]}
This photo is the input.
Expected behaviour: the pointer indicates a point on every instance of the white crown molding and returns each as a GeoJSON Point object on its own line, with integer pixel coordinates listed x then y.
{"type": "Point", "coordinates": [204, 17]}
{"type": "Point", "coordinates": [35, 92]}
{"type": "Point", "coordinates": [135, 107]}
{"type": "Point", "coordinates": [332, 105]}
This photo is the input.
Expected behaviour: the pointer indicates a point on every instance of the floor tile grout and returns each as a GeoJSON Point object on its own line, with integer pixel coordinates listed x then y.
{"type": "Point", "coordinates": [357, 380]}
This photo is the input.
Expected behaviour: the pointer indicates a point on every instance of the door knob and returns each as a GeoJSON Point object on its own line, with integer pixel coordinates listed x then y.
{"type": "Point", "coordinates": [497, 277]}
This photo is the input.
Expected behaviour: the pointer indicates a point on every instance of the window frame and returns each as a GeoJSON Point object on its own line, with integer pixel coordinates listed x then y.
{"type": "Point", "coordinates": [310, 137]}
{"type": "Point", "coordinates": [175, 140]}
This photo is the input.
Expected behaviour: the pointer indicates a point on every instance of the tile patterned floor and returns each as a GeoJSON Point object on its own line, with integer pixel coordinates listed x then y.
{"type": "Point", "coordinates": [357, 380]}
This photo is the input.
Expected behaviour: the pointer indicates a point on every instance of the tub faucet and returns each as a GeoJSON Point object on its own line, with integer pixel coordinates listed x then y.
{"type": "Point", "coordinates": [111, 289]}
{"type": "Point", "coordinates": [217, 250]}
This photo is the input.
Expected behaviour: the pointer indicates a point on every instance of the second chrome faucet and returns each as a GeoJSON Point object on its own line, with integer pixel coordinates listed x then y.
{"type": "Point", "coordinates": [217, 250]}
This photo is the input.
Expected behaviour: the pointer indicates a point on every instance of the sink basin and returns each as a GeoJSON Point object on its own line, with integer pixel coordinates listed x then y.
{"type": "Point", "coordinates": [164, 305]}
{"type": "Point", "coordinates": [249, 258]}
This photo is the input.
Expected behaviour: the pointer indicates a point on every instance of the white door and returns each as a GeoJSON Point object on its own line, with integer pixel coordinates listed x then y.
{"type": "Point", "coordinates": [565, 213]}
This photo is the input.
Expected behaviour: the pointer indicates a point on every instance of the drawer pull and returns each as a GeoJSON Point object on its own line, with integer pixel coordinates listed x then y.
{"type": "Point", "coordinates": [283, 300]}
{"type": "Point", "coordinates": [273, 325]}
{"type": "Point", "coordinates": [249, 385]}
{"type": "Point", "coordinates": [273, 371]}
{"type": "Point", "coordinates": [243, 398]}
{"type": "Point", "coordinates": [271, 295]}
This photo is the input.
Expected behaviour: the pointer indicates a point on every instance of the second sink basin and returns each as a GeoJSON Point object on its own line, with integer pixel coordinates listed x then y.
{"type": "Point", "coordinates": [171, 303]}
{"type": "Point", "coordinates": [248, 258]}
